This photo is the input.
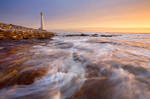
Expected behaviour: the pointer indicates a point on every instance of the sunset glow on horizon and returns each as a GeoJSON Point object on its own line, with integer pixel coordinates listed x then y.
{"type": "Point", "coordinates": [79, 15]}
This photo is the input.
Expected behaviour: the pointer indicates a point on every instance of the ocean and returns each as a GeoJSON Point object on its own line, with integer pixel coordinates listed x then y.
{"type": "Point", "coordinates": [71, 66]}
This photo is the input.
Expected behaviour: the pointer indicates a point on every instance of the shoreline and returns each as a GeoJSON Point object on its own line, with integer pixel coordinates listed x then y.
{"type": "Point", "coordinates": [15, 32]}
{"type": "Point", "coordinates": [6, 35]}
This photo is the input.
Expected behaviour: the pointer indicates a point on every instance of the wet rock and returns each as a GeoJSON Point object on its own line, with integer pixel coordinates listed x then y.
{"type": "Point", "coordinates": [135, 70]}
{"type": "Point", "coordinates": [28, 77]}
{"type": "Point", "coordinates": [84, 35]}
{"type": "Point", "coordinates": [95, 89]}
{"type": "Point", "coordinates": [95, 35]}
{"type": "Point", "coordinates": [16, 77]}
{"type": "Point", "coordinates": [77, 35]}
{"type": "Point", "coordinates": [109, 35]}
{"type": "Point", "coordinates": [92, 71]}
{"type": "Point", "coordinates": [79, 58]}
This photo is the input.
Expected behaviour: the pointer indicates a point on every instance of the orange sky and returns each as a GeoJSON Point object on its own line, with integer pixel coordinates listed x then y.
{"type": "Point", "coordinates": [126, 18]}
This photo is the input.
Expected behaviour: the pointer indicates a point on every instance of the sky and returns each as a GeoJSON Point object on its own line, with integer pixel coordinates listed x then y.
{"type": "Point", "coordinates": [79, 15]}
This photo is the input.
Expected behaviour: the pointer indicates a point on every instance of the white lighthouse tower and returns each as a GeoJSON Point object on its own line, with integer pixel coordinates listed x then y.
{"type": "Point", "coordinates": [42, 21]}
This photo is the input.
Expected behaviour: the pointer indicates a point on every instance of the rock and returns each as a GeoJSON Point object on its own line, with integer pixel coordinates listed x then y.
{"type": "Point", "coordinates": [109, 35]}
{"type": "Point", "coordinates": [95, 35]}
{"type": "Point", "coordinates": [28, 77]}
{"type": "Point", "coordinates": [95, 89]}
{"type": "Point", "coordinates": [15, 77]}
{"type": "Point", "coordinates": [77, 35]}
{"type": "Point", "coordinates": [92, 71]}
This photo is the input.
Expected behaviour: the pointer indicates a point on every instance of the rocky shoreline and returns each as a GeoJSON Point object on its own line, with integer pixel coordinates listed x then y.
{"type": "Point", "coordinates": [6, 35]}
{"type": "Point", "coordinates": [14, 32]}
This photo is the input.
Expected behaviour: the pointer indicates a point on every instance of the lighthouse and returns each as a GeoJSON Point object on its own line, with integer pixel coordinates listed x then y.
{"type": "Point", "coordinates": [42, 21]}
